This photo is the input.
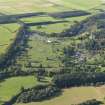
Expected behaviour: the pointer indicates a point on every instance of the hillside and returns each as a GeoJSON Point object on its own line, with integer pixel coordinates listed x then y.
{"type": "Point", "coordinates": [49, 45]}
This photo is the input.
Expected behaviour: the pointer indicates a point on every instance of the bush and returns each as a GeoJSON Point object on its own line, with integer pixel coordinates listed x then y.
{"type": "Point", "coordinates": [38, 93]}
{"type": "Point", "coordinates": [91, 102]}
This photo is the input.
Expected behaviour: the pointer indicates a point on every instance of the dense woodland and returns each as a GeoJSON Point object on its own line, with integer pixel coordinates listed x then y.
{"type": "Point", "coordinates": [79, 79]}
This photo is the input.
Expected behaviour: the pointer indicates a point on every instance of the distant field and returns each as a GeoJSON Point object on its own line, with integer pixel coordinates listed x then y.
{"type": "Point", "coordinates": [53, 28]}
{"type": "Point", "coordinates": [21, 6]}
{"type": "Point", "coordinates": [42, 52]}
{"type": "Point", "coordinates": [8, 32]}
{"type": "Point", "coordinates": [12, 86]}
{"type": "Point", "coordinates": [74, 96]}
{"type": "Point", "coordinates": [49, 6]}
{"type": "Point", "coordinates": [7, 35]}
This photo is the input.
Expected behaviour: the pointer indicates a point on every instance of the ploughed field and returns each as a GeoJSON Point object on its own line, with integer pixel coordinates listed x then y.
{"type": "Point", "coordinates": [54, 35]}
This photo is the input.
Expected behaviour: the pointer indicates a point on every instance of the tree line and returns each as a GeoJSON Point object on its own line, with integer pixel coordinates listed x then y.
{"type": "Point", "coordinates": [91, 102]}
{"type": "Point", "coordinates": [14, 49]}
{"type": "Point", "coordinates": [77, 79]}
{"type": "Point", "coordinates": [38, 93]}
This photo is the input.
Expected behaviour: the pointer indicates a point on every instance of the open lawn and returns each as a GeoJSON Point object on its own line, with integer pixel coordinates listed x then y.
{"type": "Point", "coordinates": [12, 86]}
{"type": "Point", "coordinates": [74, 96]}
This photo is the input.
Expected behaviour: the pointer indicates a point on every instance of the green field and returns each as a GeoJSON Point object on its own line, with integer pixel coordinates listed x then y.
{"type": "Point", "coordinates": [40, 51]}
{"type": "Point", "coordinates": [52, 28]}
{"type": "Point", "coordinates": [21, 6]}
{"type": "Point", "coordinates": [12, 86]}
{"type": "Point", "coordinates": [7, 35]}
{"type": "Point", "coordinates": [43, 53]}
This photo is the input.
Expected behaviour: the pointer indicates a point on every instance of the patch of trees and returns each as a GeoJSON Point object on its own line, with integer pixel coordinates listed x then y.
{"type": "Point", "coordinates": [14, 18]}
{"type": "Point", "coordinates": [69, 51]}
{"type": "Point", "coordinates": [92, 45]}
{"type": "Point", "coordinates": [71, 67]}
{"type": "Point", "coordinates": [38, 93]}
{"type": "Point", "coordinates": [101, 24]}
{"type": "Point", "coordinates": [44, 23]}
{"type": "Point", "coordinates": [75, 61]}
{"type": "Point", "coordinates": [95, 45]}
{"type": "Point", "coordinates": [78, 28]}
{"type": "Point", "coordinates": [40, 73]}
{"type": "Point", "coordinates": [73, 31]}
{"type": "Point", "coordinates": [86, 25]}
{"type": "Point", "coordinates": [14, 49]}
{"type": "Point", "coordinates": [77, 79]}
{"type": "Point", "coordinates": [13, 99]}
{"type": "Point", "coordinates": [7, 61]}
{"type": "Point", "coordinates": [91, 102]}
{"type": "Point", "coordinates": [99, 34]}
{"type": "Point", "coordinates": [67, 14]}
{"type": "Point", "coordinates": [12, 73]}
{"type": "Point", "coordinates": [3, 75]}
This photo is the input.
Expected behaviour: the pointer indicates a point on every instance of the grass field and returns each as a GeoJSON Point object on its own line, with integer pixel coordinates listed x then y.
{"type": "Point", "coordinates": [12, 86]}
{"type": "Point", "coordinates": [54, 28]}
{"type": "Point", "coordinates": [57, 27]}
{"type": "Point", "coordinates": [21, 6]}
{"type": "Point", "coordinates": [42, 52]}
{"type": "Point", "coordinates": [74, 96]}
{"type": "Point", "coordinates": [7, 35]}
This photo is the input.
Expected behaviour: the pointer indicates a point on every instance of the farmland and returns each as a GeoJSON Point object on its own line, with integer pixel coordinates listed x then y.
{"type": "Point", "coordinates": [10, 6]}
{"type": "Point", "coordinates": [12, 86]}
{"type": "Point", "coordinates": [43, 41]}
